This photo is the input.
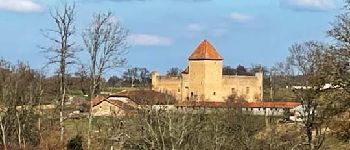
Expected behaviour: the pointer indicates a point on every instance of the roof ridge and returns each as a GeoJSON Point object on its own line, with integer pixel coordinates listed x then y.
{"type": "Point", "coordinates": [205, 51]}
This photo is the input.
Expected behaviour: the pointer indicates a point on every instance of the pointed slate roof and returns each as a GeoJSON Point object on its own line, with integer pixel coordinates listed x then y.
{"type": "Point", "coordinates": [205, 51]}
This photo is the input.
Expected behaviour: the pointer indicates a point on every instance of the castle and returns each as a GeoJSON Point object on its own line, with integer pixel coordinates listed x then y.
{"type": "Point", "coordinates": [203, 80]}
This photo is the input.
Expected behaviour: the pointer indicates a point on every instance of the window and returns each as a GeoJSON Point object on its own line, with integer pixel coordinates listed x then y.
{"type": "Point", "coordinates": [178, 90]}
{"type": "Point", "coordinates": [247, 90]}
{"type": "Point", "coordinates": [191, 94]}
{"type": "Point", "coordinates": [233, 90]}
{"type": "Point", "coordinates": [214, 93]}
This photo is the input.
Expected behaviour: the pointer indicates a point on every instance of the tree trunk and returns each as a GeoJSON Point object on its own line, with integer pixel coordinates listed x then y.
{"type": "Point", "coordinates": [61, 117]}
{"type": "Point", "coordinates": [63, 92]}
{"type": "Point", "coordinates": [3, 133]}
{"type": "Point", "coordinates": [19, 131]}
{"type": "Point", "coordinates": [92, 96]}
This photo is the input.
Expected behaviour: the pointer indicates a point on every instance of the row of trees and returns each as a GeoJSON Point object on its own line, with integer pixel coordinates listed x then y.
{"type": "Point", "coordinates": [132, 77]}
{"type": "Point", "coordinates": [141, 77]}
{"type": "Point", "coordinates": [226, 70]}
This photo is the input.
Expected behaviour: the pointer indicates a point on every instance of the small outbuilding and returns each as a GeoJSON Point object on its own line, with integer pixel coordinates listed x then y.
{"type": "Point", "coordinates": [113, 105]}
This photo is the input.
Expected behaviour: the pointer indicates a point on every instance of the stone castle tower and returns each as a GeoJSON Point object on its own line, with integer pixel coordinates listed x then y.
{"type": "Point", "coordinates": [202, 80]}
{"type": "Point", "coordinates": [205, 72]}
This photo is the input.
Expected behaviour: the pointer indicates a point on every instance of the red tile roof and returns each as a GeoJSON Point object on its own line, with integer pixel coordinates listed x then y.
{"type": "Point", "coordinates": [129, 106]}
{"type": "Point", "coordinates": [205, 51]}
{"type": "Point", "coordinates": [95, 101]}
{"type": "Point", "coordinates": [272, 104]}
{"type": "Point", "coordinates": [245, 105]}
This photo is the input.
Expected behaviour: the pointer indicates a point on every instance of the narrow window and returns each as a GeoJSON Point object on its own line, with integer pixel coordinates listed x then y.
{"type": "Point", "coordinates": [178, 90]}
{"type": "Point", "coordinates": [233, 90]}
{"type": "Point", "coordinates": [214, 93]}
{"type": "Point", "coordinates": [247, 90]}
{"type": "Point", "coordinates": [191, 94]}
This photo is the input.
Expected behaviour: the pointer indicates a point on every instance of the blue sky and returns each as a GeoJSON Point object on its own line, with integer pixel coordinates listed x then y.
{"type": "Point", "coordinates": [163, 33]}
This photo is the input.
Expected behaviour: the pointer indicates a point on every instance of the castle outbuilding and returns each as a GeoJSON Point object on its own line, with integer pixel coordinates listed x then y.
{"type": "Point", "coordinates": [203, 80]}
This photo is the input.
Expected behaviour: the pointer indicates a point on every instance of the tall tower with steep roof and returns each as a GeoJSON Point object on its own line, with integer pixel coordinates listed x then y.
{"type": "Point", "coordinates": [205, 73]}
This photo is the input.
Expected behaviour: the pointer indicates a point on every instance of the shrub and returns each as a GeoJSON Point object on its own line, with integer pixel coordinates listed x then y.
{"type": "Point", "coordinates": [75, 143]}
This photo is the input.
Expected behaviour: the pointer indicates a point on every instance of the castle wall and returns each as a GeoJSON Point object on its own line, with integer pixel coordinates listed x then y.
{"type": "Point", "coordinates": [248, 87]}
{"type": "Point", "coordinates": [185, 92]}
{"type": "Point", "coordinates": [169, 85]}
{"type": "Point", "coordinates": [191, 86]}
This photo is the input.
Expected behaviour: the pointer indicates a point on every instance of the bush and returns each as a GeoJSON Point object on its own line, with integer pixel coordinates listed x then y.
{"type": "Point", "coordinates": [75, 143]}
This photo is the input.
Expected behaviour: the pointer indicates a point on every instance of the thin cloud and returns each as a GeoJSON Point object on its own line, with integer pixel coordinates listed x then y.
{"type": "Point", "coordinates": [308, 5]}
{"type": "Point", "coordinates": [200, 30]}
{"type": "Point", "coordinates": [20, 6]}
{"type": "Point", "coordinates": [219, 32]}
{"type": "Point", "coordinates": [195, 27]}
{"type": "Point", "coordinates": [148, 39]}
{"type": "Point", "coordinates": [242, 18]}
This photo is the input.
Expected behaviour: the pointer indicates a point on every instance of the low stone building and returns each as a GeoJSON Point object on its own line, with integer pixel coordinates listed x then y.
{"type": "Point", "coordinates": [203, 80]}
{"type": "Point", "coordinates": [114, 105]}
{"type": "Point", "coordinates": [277, 108]}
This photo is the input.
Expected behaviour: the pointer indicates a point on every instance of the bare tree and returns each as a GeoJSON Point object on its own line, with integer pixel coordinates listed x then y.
{"type": "Point", "coordinates": [315, 65]}
{"type": "Point", "coordinates": [105, 41]}
{"type": "Point", "coordinates": [131, 75]}
{"type": "Point", "coordinates": [82, 74]}
{"type": "Point", "coordinates": [173, 72]}
{"type": "Point", "coordinates": [305, 61]}
{"type": "Point", "coordinates": [228, 70]}
{"type": "Point", "coordinates": [18, 94]}
{"type": "Point", "coordinates": [61, 52]}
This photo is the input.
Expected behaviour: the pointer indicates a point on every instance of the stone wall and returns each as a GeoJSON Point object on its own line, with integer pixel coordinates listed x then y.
{"type": "Point", "coordinates": [107, 109]}
{"type": "Point", "coordinates": [169, 85]}
{"type": "Point", "coordinates": [204, 83]}
{"type": "Point", "coordinates": [248, 87]}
